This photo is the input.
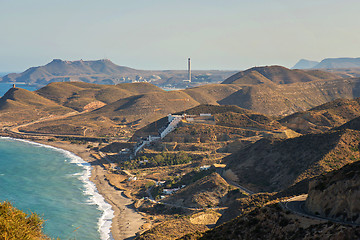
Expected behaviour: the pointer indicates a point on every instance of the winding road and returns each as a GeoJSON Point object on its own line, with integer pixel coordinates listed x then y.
{"type": "Point", "coordinates": [297, 205]}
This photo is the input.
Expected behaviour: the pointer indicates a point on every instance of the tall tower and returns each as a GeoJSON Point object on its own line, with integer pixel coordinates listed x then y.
{"type": "Point", "coordinates": [189, 69]}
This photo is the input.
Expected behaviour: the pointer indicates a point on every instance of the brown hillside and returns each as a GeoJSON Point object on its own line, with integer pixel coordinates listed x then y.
{"type": "Point", "coordinates": [277, 75]}
{"type": "Point", "coordinates": [19, 105]}
{"type": "Point", "coordinates": [323, 117]}
{"type": "Point", "coordinates": [272, 165]}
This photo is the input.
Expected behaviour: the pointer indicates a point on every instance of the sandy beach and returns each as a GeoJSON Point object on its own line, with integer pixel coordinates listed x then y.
{"type": "Point", "coordinates": [127, 221]}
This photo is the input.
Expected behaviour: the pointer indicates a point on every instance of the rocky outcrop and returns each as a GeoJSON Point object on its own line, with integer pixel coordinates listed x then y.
{"type": "Point", "coordinates": [336, 195]}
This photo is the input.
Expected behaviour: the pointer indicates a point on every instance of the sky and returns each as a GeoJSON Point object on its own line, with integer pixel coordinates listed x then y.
{"type": "Point", "coordinates": [162, 34]}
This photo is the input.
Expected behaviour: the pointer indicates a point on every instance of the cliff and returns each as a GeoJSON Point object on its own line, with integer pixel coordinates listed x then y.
{"type": "Point", "coordinates": [336, 195]}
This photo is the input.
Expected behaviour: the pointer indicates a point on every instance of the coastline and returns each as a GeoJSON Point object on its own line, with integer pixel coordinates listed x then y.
{"type": "Point", "coordinates": [127, 222]}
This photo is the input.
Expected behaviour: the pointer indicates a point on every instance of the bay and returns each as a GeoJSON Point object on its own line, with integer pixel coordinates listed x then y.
{"type": "Point", "coordinates": [53, 183]}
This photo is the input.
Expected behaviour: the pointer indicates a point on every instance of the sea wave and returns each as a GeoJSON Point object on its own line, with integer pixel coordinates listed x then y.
{"type": "Point", "coordinates": [95, 198]}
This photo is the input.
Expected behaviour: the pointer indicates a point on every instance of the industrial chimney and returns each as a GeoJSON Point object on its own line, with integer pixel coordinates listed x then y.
{"type": "Point", "coordinates": [189, 69]}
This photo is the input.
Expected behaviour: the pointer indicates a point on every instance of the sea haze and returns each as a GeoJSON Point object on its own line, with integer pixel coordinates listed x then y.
{"type": "Point", "coordinates": [54, 184]}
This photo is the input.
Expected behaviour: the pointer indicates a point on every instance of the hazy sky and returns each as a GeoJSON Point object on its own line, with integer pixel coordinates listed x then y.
{"type": "Point", "coordinates": [162, 34]}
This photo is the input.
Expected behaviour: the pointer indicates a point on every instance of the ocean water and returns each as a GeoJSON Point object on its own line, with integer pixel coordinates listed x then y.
{"type": "Point", "coordinates": [55, 184]}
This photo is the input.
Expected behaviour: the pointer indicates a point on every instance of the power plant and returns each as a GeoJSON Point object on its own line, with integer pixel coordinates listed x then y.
{"type": "Point", "coordinates": [189, 69]}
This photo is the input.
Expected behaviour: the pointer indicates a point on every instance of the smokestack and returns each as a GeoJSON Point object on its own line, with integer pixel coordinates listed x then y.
{"type": "Point", "coordinates": [189, 69]}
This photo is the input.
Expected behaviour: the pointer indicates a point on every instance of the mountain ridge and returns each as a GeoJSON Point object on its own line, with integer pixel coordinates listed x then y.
{"type": "Point", "coordinates": [329, 63]}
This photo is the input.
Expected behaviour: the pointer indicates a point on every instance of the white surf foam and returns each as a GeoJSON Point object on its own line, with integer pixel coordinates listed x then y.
{"type": "Point", "coordinates": [104, 222]}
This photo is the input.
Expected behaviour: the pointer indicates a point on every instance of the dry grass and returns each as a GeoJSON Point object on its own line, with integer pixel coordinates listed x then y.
{"type": "Point", "coordinates": [15, 224]}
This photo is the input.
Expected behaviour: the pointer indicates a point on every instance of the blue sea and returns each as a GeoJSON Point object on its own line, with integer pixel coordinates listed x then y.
{"type": "Point", "coordinates": [55, 184]}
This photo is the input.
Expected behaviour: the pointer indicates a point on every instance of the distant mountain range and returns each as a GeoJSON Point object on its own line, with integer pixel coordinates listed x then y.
{"type": "Point", "coordinates": [305, 64]}
{"type": "Point", "coordinates": [328, 63]}
{"type": "Point", "coordinates": [106, 72]}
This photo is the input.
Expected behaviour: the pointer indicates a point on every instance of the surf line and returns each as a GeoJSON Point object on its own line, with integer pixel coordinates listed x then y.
{"type": "Point", "coordinates": [105, 220]}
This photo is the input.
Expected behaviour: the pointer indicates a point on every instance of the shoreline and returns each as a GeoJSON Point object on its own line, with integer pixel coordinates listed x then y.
{"type": "Point", "coordinates": [127, 222]}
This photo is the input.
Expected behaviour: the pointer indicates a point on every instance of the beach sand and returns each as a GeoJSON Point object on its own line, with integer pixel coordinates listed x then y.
{"type": "Point", "coordinates": [127, 221]}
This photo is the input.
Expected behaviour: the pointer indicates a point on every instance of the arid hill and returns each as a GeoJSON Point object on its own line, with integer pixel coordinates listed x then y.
{"type": "Point", "coordinates": [272, 165]}
{"type": "Point", "coordinates": [336, 194]}
{"type": "Point", "coordinates": [277, 75]}
{"type": "Point", "coordinates": [19, 105]}
{"type": "Point", "coordinates": [79, 95]}
{"type": "Point", "coordinates": [323, 117]}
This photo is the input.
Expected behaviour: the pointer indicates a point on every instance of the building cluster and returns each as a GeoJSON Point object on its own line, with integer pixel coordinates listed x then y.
{"type": "Point", "coordinates": [173, 121]}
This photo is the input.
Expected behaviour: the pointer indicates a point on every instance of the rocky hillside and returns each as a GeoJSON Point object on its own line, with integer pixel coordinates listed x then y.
{"type": "Point", "coordinates": [272, 165]}
{"type": "Point", "coordinates": [336, 194]}
{"type": "Point", "coordinates": [323, 117]}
